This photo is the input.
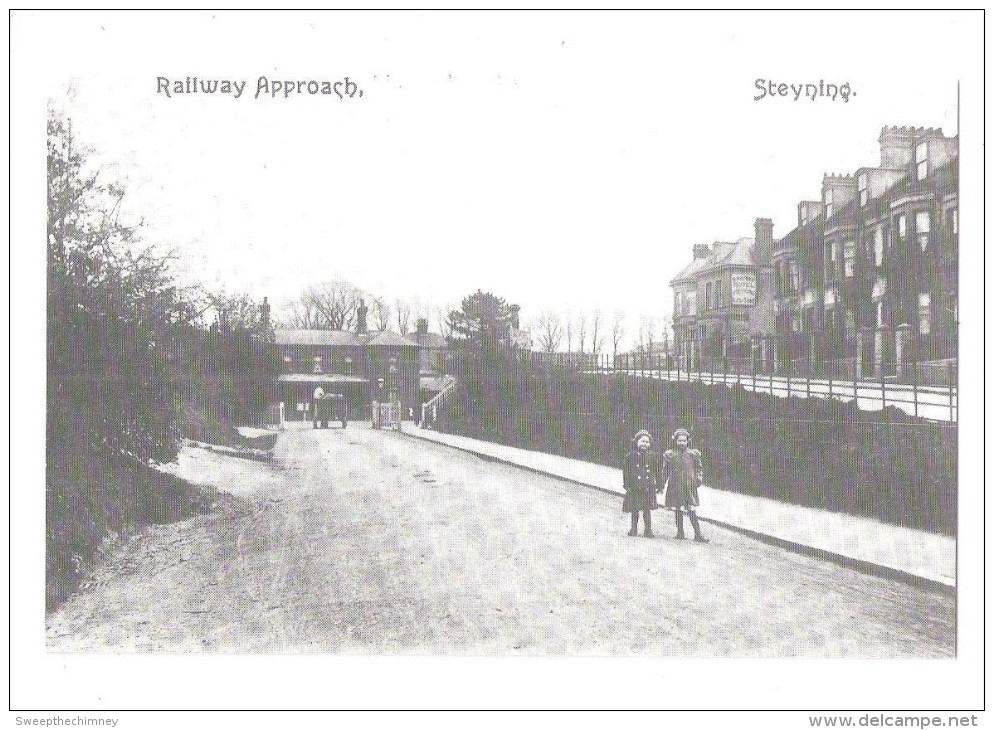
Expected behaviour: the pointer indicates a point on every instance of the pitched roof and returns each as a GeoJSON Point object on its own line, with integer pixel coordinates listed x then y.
{"type": "Point", "coordinates": [428, 339]}
{"type": "Point", "coordinates": [690, 270]}
{"type": "Point", "coordinates": [386, 338]}
{"type": "Point", "coordinates": [729, 254]}
{"type": "Point", "coordinates": [316, 337]}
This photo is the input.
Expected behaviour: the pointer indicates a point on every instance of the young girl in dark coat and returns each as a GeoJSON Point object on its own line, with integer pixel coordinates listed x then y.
{"type": "Point", "coordinates": [641, 480]}
{"type": "Point", "coordinates": [683, 473]}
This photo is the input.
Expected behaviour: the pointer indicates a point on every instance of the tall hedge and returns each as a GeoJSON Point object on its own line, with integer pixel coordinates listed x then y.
{"type": "Point", "coordinates": [813, 452]}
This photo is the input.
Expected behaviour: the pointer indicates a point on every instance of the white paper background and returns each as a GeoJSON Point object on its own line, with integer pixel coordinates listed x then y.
{"type": "Point", "coordinates": [571, 160]}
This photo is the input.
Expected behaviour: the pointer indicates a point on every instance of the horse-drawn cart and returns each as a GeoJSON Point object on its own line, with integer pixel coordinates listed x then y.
{"type": "Point", "coordinates": [331, 407]}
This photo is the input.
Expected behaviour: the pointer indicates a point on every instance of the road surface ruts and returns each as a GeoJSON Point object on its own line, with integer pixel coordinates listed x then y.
{"type": "Point", "coordinates": [363, 541]}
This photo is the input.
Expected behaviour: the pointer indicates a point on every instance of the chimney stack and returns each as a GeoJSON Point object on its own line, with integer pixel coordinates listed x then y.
{"type": "Point", "coordinates": [764, 239]}
{"type": "Point", "coordinates": [701, 251]}
{"type": "Point", "coordinates": [422, 326]}
{"type": "Point", "coordinates": [360, 326]}
{"type": "Point", "coordinates": [896, 146]}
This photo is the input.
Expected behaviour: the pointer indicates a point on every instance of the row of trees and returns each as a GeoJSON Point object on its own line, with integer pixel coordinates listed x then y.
{"type": "Point", "coordinates": [582, 332]}
{"type": "Point", "coordinates": [335, 304]}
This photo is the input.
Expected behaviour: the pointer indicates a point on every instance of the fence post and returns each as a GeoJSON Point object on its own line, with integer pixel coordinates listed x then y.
{"type": "Point", "coordinates": [788, 382]}
{"type": "Point", "coordinates": [855, 377]}
{"type": "Point", "coordinates": [830, 395]}
{"type": "Point", "coordinates": [914, 383]}
{"type": "Point", "coordinates": [883, 388]}
{"type": "Point", "coordinates": [949, 373]}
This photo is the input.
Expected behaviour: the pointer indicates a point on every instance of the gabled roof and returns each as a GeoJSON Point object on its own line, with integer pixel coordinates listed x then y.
{"type": "Point", "coordinates": [386, 338]}
{"type": "Point", "coordinates": [316, 337]}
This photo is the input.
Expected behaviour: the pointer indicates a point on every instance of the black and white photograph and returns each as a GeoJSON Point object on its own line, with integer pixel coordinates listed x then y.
{"type": "Point", "coordinates": [498, 360]}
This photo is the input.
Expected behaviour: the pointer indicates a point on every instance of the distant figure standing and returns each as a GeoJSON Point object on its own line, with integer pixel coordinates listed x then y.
{"type": "Point", "coordinates": [683, 473]}
{"type": "Point", "coordinates": [318, 395]}
{"type": "Point", "coordinates": [641, 480]}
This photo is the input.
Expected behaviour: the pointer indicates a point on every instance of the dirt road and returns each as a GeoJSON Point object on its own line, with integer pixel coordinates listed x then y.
{"type": "Point", "coordinates": [370, 542]}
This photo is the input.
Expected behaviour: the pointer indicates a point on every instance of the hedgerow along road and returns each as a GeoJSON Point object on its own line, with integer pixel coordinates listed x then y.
{"type": "Point", "coordinates": [372, 542]}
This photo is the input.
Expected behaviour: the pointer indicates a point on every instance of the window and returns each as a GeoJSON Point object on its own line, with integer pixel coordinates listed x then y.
{"type": "Point", "coordinates": [954, 221]}
{"type": "Point", "coordinates": [924, 313]}
{"type": "Point", "coordinates": [880, 313]}
{"type": "Point", "coordinates": [317, 363]}
{"type": "Point", "coordinates": [902, 227]}
{"type": "Point", "coordinates": [849, 258]}
{"type": "Point", "coordinates": [678, 304]}
{"type": "Point", "coordinates": [878, 246]}
{"type": "Point", "coordinates": [778, 276]}
{"type": "Point", "coordinates": [707, 296]}
{"type": "Point", "coordinates": [923, 226]}
{"type": "Point", "coordinates": [792, 270]}
{"type": "Point", "coordinates": [828, 203]}
{"type": "Point", "coordinates": [864, 191]}
{"type": "Point", "coordinates": [831, 260]}
{"type": "Point", "coordinates": [717, 294]}
{"type": "Point", "coordinates": [921, 159]}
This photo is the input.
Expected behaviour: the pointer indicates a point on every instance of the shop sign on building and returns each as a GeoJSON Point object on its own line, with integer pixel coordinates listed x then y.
{"type": "Point", "coordinates": [744, 289]}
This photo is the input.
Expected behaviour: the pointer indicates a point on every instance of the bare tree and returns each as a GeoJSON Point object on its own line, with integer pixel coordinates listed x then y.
{"type": "Point", "coordinates": [549, 331]}
{"type": "Point", "coordinates": [441, 314]}
{"type": "Point", "coordinates": [666, 319]}
{"type": "Point", "coordinates": [581, 330]}
{"type": "Point", "coordinates": [380, 312]}
{"type": "Point", "coordinates": [597, 332]}
{"type": "Point", "coordinates": [331, 305]}
{"type": "Point", "coordinates": [617, 332]}
{"type": "Point", "coordinates": [568, 331]}
{"type": "Point", "coordinates": [404, 311]}
{"type": "Point", "coordinates": [299, 314]}
{"type": "Point", "coordinates": [650, 332]}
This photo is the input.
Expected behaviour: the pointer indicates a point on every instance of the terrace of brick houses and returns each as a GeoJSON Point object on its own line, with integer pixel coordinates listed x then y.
{"type": "Point", "coordinates": [863, 287]}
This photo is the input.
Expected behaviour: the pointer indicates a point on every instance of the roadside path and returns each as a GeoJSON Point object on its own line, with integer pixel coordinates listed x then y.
{"type": "Point", "coordinates": [370, 542]}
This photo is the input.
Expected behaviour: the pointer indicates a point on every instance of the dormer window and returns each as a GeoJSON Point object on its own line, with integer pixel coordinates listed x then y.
{"type": "Point", "coordinates": [864, 190]}
{"type": "Point", "coordinates": [921, 160]}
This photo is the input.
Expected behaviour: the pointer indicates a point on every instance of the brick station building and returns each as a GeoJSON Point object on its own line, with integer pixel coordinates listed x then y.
{"type": "Point", "coordinates": [363, 366]}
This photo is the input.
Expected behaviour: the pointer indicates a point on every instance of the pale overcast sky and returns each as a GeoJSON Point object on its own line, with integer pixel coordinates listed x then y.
{"type": "Point", "coordinates": [564, 161]}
